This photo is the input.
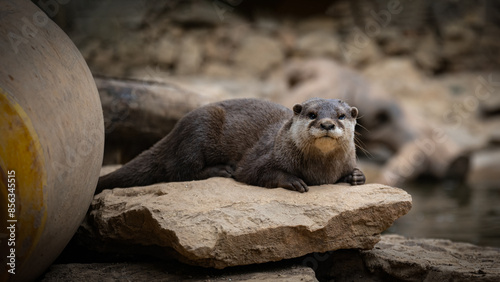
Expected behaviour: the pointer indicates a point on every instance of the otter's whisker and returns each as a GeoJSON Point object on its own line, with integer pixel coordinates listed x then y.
{"type": "Point", "coordinates": [359, 144]}
{"type": "Point", "coordinates": [363, 127]}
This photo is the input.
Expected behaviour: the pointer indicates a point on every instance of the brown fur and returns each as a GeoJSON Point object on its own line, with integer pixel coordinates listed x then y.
{"type": "Point", "coordinates": [255, 142]}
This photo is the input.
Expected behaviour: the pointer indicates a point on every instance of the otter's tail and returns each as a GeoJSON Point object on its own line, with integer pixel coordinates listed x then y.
{"type": "Point", "coordinates": [140, 171]}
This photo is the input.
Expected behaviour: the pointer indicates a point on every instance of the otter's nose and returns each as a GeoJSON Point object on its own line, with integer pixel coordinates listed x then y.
{"type": "Point", "coordinates": [327, 125]}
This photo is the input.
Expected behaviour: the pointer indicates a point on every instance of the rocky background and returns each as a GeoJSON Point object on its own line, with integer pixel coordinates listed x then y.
{"type": "Point", "coordinates": [424, 74]}
{"type": "Point", "coordinates": [252, 39]}
{"type": "Point", "coordinates": [435, 63]}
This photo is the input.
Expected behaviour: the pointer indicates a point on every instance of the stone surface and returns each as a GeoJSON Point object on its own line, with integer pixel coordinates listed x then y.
{"type": "Point", "coordinates": [317, 44]}
{"type": "Point", "coordinates": [190, 57]}
{"type": "Point", "coordinates": [428, 54]}
{"type": "Point", "coordinates": [491, 126]}
{"type": "Point", "coordinates": [124, 29]}
{"type": "Point", "coordinates": [258, 54]}
{"type": "Point", "coordinates": [432, 260]}
{"type": "Point", "coordinates": [359, 53]}
{"type": "Point", "coordinates": [223, 88]}
{"type": "Point", "coordinates": [219, 222]}
{"type": "Point", "coordinates": [394, 43]}
{"type": "Point", "coordinates": [165, 51]}
{"type": "Point", "coordinates": [491, 104]}
{"type": "Point", "coordinates": [162, 271]}
{"type": "Point", "coordinates": [485, 166]}
{"type": "Point", "coordinates": [396, 258]}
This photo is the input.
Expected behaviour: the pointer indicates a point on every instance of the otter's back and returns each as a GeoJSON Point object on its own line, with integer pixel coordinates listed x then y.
{"type": "Point", "coordinates": [235, 126]}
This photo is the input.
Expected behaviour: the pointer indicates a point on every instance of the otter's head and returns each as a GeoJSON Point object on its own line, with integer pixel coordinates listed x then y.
{"type": "Point", "coordinates": [325, 124]}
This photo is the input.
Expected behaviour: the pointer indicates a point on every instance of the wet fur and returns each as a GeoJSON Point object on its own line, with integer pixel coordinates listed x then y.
{"type": "Point", "coordinates": [255, 142]}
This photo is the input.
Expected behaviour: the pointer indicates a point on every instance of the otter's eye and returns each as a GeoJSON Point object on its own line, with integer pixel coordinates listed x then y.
{"type": "Point", "coordinates": [312, 115]}
{"type": "Point", "coordinates": [342, 117]}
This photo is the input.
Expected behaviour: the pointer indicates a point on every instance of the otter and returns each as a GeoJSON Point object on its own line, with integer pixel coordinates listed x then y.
{"type": "Point", "coordinates": [255, 142]}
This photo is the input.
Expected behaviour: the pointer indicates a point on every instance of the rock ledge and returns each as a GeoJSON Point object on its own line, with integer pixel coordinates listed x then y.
{"type": "Point", "coordinates": [219, 222]}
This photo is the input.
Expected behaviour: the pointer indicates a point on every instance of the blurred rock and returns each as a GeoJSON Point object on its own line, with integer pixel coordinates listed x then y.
{"type": "Point", "coordinates": [432, 153]}
{"type": "Point", "coordinates": [360, 55]}
{"type": "Point", "coordinates": [220, 47]}
{"type": "Point", "coordinates": [257, 54]}
{"type": "Point", "coordinates": [89, 48]}
{"type": "Point", "coordinates": [485, 166]}
{"type": "Point", "coordinates": [398, 75]}
{"type": "Point", "coordinates": [458, 39]}
{"type": "Point", "coordinates": [325, 78]}
{"type": "Point", "coordinates": [428, 53]}
{"type": "Point", "coordinates": [221, 88]}
{"type": "Point", "coordinates": [132, 51]}
{"type": "Point", "coordinates": [190, 57]}
{"type": "Point", "coordinates": [492, 130]}
{"type": "Point", "coordinates": [317, 23]}
{"type": "Point", "coordinates": [489, 46]}
{"type": "Point", "coordinates": [394, 42]}
{"type": "Point", "coordinates": [267, 24]}
{"type": "Point", "coordinates": [165, 271]}
{"type": "Point", "coordinates": [491, 105]}
{"type": "Point", "coordinates": [101, 63]}
{"type": "Point", "coordinates": [432, 260]}
{"type": "Point", "coordinates": [217, 69]}
{"type": "Point", "coordinates": [165, 51]}
{"type": "Point", "coordinates": [194, 12]}
{"type": "Point", "coordinates": [318, 44]}
{"type": "Point", "coordinates": [396, 258]}
{"type": "Point", "coordinates": [441, 36]}
{"type": "Point", "coordinates": [219, 222]}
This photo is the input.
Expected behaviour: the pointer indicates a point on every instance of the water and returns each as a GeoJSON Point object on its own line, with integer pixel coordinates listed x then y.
{"type": "Point", "coordinates": [462, 213]}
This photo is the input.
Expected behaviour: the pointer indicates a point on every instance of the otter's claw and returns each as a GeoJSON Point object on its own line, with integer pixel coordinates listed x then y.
{"type": "Point", "coordinates": [355, 178]}
{"type": "Point", "coordinates": [295, 184]}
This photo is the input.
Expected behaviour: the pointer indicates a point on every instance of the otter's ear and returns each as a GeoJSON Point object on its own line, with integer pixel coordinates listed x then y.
{"type": "Point", "coordinates": [297, 109]}
{"type": "Point", "coordinates": [354, 112]}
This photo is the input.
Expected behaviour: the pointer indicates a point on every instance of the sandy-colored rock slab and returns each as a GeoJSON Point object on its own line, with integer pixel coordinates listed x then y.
{"type": "Point", "coordinates": [432, 260]}
{"type": "Point", "coordinates": [159, 271]}
{"type": "Point", "coordinates": [219, 222]}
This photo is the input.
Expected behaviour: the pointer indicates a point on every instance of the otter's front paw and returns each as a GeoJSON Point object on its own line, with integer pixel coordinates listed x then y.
{"type": "Point", "coordinates": [355, 178]}
{"type": "Point", "coordinates": [293, 183]}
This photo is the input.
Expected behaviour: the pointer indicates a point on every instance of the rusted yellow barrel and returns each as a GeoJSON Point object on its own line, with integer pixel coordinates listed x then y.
{"type": "Point", "coordinates": [51, 140]}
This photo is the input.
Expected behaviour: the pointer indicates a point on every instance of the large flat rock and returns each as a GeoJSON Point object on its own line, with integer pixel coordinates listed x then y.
{"type": "Point", "coordinates": [219, 222]}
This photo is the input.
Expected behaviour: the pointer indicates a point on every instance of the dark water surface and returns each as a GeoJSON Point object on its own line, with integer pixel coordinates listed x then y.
{"type": "Point", "coordinates": [462, 213]}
